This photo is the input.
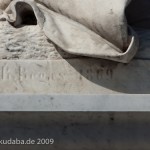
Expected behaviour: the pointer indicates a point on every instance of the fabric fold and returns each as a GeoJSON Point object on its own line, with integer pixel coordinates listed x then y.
{"type": "Point", "coordinates": [100, 33]}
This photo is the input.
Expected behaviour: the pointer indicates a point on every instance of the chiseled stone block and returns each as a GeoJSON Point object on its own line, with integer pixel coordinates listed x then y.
{"type": "Point", "coordinates": [74, 76]}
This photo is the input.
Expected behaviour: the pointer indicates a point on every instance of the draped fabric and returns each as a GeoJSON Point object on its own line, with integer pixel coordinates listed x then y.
{"type": "Point", "coordinates": [93, 28]}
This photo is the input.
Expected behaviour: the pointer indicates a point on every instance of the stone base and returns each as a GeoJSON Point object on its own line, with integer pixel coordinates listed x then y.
{"type": "Point", "coordinates": [75, 103]}
{"type": "Point", "coordinates": [78, 131]}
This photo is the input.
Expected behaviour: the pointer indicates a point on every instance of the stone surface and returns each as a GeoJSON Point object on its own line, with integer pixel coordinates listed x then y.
{"type": "Point", "coordinates": [73, 29]}
{"type": "Point", "coordinates": [74, 76]}
{"type": "Point", "coordinates": [78, 131]}
{"type": "Point", "coordinates": [28, 42]}
{"type": "Point", "coordinates": [4, 4]}
{"type": "Point", "coordinates": [46, 71]}
{"type": "Point", "coordinates": [75, 103]}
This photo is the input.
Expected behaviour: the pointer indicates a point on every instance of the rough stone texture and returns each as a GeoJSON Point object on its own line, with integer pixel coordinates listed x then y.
{"type": "Point", "coordinates": [4, 3]}
{"type": "Point", "coordinates": [27, 42]}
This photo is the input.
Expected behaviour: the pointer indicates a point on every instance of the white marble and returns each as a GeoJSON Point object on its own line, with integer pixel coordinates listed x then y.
{"type": "Point", "coordinates": [72, 28]}
{"type": "Point", "coordinates": [75, 103]}
{"type": "Point", "coordinates": [74, 76]}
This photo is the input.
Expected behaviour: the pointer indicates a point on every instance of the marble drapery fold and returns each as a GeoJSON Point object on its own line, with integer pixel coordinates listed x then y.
{"type": "Point", "coordinates": [82, 27]}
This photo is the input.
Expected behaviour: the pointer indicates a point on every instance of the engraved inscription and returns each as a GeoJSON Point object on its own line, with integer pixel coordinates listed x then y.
{"type": "Point", "coordinates": [20, 73]}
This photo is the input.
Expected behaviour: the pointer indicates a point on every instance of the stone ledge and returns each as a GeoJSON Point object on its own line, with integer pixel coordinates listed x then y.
{"type": "Point", "coordinates": [75, 103]}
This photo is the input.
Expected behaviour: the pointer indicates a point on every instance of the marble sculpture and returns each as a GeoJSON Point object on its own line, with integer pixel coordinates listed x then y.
{"type": "Point", "coordinates": [93, 28]}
